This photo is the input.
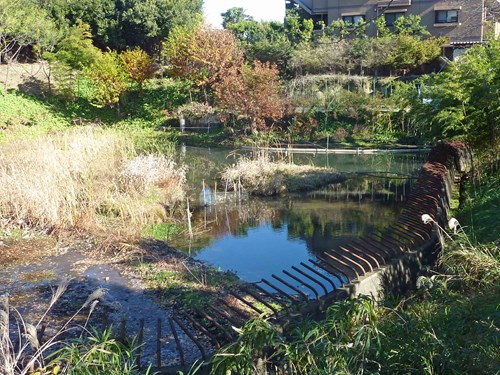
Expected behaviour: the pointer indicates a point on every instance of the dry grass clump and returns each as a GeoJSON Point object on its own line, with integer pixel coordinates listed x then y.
{"type": "Point", "coordinates": [262, 176]}
{"type": "Point", "coordinates": [477, 265]}
{"type": "Point", "coordinates": [86, 178]}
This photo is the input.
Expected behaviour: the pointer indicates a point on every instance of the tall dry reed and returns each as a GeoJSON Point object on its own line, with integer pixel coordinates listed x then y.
{"type": "Point", "coordinates": [261, 175]}
{"type": "Point", "coordinates": [85, 178]}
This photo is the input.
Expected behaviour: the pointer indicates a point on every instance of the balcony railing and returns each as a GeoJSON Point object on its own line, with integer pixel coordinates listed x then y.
{"type": "Point", "coordinates": [394, 3]}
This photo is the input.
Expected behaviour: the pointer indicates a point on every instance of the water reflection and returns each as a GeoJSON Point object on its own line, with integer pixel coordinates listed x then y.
{"type": "Point", "coordinates": [206, 164]}
{"type": "Point", "coordinates": [259, 237]}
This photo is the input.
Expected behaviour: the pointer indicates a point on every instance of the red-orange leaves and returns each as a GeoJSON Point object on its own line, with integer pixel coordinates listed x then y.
{"type": "Point", "coordinates": [253, 92]}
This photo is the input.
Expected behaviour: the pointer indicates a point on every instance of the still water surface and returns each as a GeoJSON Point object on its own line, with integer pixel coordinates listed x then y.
{"type": "Point", "coordinates": [261, 236]}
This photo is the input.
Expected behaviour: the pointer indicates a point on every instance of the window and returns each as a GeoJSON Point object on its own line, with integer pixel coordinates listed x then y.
{"type": "Point", "coordinates": [446, 16]}
{"type": "Point", "coordinates": [354, 20]}
{"type": "Point", "coordinates": [390, 18]}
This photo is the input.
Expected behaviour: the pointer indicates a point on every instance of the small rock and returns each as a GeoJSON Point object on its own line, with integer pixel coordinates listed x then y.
{"type": "Point", "coordinates": [106, 278]}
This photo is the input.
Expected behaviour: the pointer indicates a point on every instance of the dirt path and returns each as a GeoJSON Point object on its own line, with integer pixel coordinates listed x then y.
{"type": "Point", "coordinates": [126, 299]}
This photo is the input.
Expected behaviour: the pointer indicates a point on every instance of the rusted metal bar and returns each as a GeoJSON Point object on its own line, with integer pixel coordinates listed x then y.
{"type": "Point", "coordinates": [177, 343]}
{"type": "Point", "coordinates": [378, 258]}
{"type": "Point", "coordinates": [330, 257]}
{"type": "Point", "coordinates": [261, 300]}
{"type": "Point", "coordinates": [226, 316]}
{"type": "Point", "coordinates": [309, 268]}
{"type": "Point", "coordinates": [413, 236]}
{"type": "Point", "coordinates": [396, 236]}
{"type": "Point", "coordinates": [398, 243]}
{"type": "Point", "coordinates": [353, 252]}
{"type": "Point", "coordinates": [396, 247]}
{"type": "Point", "coordinates": [249, 304]}
{"type": "Point", "coordinates": [214, 321]}
{"type": "Point", "coordinates": [409, 227]}
{"type": "Point", "coordinates": [284, 282]}
{"type": "Point", "coordinates": [303, 283]}
{"type": "Point", "coordinates": [140, 339]}
{"type": "Point", "coordinates": [314, 280]}
{"type": "Point", "coordinates": [281, 292]}
{"type": "Point", "coordinates": [239, 313]}
{"type": "Point", "coordinates": [364, 244]}
{"type": "Point", "coordinates": [271, 296]}
{"type": "Point", "coordinates": [203, 330]}
{"type": "Point", "coordinates": [387, 249]}
{"type": "Point", "coordinates": [192, 337]}
{"type": "Point", "coordinates": [335, 269]}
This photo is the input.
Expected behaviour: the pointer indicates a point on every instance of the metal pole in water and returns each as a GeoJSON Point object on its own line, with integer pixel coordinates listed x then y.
{"type": "Point", "coordinates": [327, 147]}
{"type": "Point", "coordinates": [239, 188]}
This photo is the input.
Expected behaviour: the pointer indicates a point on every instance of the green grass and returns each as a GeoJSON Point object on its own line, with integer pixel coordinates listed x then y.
{"type": "Point", "coordinates": [185, 286]}
{"type": "Point", "coordinates": [143, 115]}
{"type": "Point", "coordinates": [19, 112]}
{"type": "Point", "coordinates": [481, 214]}
{"type": "Point", "coordinates": [443, 330]}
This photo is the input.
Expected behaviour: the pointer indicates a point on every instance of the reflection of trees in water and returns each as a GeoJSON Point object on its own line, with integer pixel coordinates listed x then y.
{"type": "Point", "coordinates": [320, 222]}
{"type": "Point", "coordinates": [323, 228]}
{"type": "Point", "coordinates": [393, 162]}
{"type": "Point", "coordinates": [236, 219]}
{"type": "Point", "coordinates": [366, 188]}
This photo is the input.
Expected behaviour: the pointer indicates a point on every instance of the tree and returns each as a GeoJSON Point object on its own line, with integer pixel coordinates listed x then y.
{"type": "Point", "coordinates": [122, 24]}
{"type": "Point", "coordinates": [409, 52]}
{"type": "Point", "coordinates": [75, 49]}
{"type": "Point", "coordinates": [410, 25]}
{"type": "Point", "coordinates": [109, 79]}
{"type": "Point", "coordinates": [404, 49]}
{"type": "Point", "coordinates": [74, 53]}
{"type": "Point", "coordinates": [24, 24]}
{"type": "Point", "coordinates": [463, 101]}
{"type": "Point", "coordinates": [299, 29]}
{"type": "Point", "coordinates": [203, 55]}
{"type": "Point", "coordinates": [138, 65]}
{"type": "Point", "coordinates": [253, 92]}
{"type": "Point", "coordinates": [234, 15]}
{"type": "Point", "coordinates": [263, 41]}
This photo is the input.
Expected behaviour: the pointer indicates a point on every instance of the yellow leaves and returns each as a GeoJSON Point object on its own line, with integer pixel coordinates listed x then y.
{"type": "Point", "coordinates": [44, 371]}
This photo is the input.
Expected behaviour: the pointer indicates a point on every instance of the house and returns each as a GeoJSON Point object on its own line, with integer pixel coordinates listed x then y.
{"type": "Point", "coordinates": [463, 22]}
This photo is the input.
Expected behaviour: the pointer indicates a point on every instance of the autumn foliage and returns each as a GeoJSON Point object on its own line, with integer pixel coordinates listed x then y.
{"type": "Point", "coordinates": [211, 58]}
{"type": "Point", "coordinates": [202, 55]}
{"type": "Point", "coordinates": [253, 92]}
{"type": "Point", "coordinates": [138, 65]}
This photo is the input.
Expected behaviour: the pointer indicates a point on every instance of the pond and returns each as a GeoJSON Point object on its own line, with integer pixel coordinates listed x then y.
{"type": "Point", "coordinates": [257, 237]}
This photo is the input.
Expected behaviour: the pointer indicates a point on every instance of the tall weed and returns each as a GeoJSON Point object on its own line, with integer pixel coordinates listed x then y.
{"type": "Point", "coordinates": [87, 178]}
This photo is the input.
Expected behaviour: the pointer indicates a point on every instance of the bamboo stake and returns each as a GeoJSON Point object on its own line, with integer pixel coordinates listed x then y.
{"type": "Point", "coordinates": [190, 228]}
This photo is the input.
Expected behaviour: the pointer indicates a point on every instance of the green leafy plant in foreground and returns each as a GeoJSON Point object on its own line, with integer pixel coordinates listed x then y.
{"type": "Point", "coordinates": [97, 353]}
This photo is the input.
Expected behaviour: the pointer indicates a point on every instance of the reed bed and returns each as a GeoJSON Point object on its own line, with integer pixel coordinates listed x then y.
{"type": "Point", "coordinates": [263, 176]}
{"type": "Point", "coordinates": [87, 178]}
